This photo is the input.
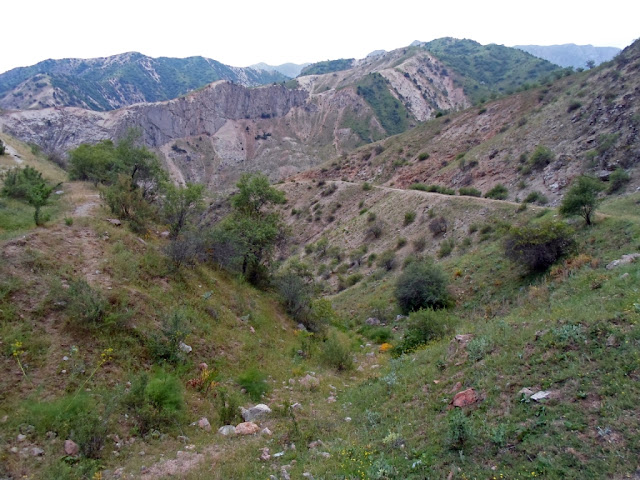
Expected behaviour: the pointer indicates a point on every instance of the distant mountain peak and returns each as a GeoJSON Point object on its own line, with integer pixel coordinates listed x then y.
{"type": "Point", "coordinates": [570, 54]}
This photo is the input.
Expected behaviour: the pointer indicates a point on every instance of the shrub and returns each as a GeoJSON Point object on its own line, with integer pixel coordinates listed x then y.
{"type": "Point", "coordinates": [366, 186]}
{"type": "Point", "coordinates": [459, 429]}
{"type": "Point", "coordinates": [423, 156]}
{"type": "Point", "coordinates": [446, 247]}
{"type": "Point", "coordinates": [421, 285]}
{"type": "Point", "coordinates": [164, 346]}
{"type": "Point", "coordinates": [409, 217]}
{"type": "Point", "coordinates": [154, 402]}
{"type": "Point", "coordinates": [573, 105]}
{"type": "Point", "coordinates": [499, 192]}
{"type": "Point", "coordinates": [618, 178]}
{"type": "Point", "coordinates": [375, 230]}
{"type": "Point", "coordinates": [401, 242]}
{"type": "Point", "coordinates": [419, 244]}
{"type": "Point", "coordinates": [418, 186]}
{"type": "Point", "coordinates": [478, 347]}
{"type": "Point", "coordinates": [470, 192]}
{"type": "Point", "coordinates": [353, 279]}
{"type": "Point", "coordinates": [582, 198]}
{"type": "Point", "coordinates": [425, 325]}
{"type": "Point", "coordinates": [438, 226]}
{"type": "Point", "coordinates": [336, 354]}
{"type": "Point", "coordinates": [536, 197]}
{"type": "Point", "coordinates": [85, 305]}
{"type": "Point", "coordinates": [540, 158]}
{"type": "Point", "coordinates": [27, 184]}
{"type": "Point", "coordinates": [254, 383]}
{"type": "Point", "coordinates": [387, 260]}
{"type": "Point", "coordinates": [537, 247]}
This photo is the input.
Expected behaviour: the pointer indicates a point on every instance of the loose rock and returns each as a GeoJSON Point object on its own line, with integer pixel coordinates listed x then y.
{"type": "Point", "coordinates": [204, 424]}
{"type": "Point", "coordinates": [259, 411]}
{"type": "Point", "coordinates": [71, 448]}
{"type": "Point", "coordinates": [465, 398]}
{"type": "Point", "coordinates": [227, 430]}
{"type": "Point", "coordinates": [247, 428]}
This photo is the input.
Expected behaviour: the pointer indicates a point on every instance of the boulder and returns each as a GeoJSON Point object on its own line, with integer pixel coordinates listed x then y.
{"type": "Point", "coordinates": [204, 424]}
{"type": "Point", "coordinates": [227, 430]}
{"type": "Point", "coordinates": [71, 448]}
{"type": "Point", "coordinates": [247, 428]}
{"type": "Point", "coordinates": [465, 398]}
{"type": "Point", "coordinates": [372, 321]}
{"type": "Point", "coordinates": [254, 413]}
{"type": "Point", "coordinates": [624, 260]}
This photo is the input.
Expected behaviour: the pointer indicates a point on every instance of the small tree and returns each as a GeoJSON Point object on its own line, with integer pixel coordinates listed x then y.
{"type": "Point", "coordinates": [28, 185]}
{"type": "Point", "coordinates": [181, 203]}
{"type": "Point", "coordinates": [2, 148]}
{"type": "Point", "coordinates": [582, 198]}
{"type": "Point", "coordinates": [421, 285]}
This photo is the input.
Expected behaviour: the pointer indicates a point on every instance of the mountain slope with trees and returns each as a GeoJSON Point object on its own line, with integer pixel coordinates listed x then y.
{"type": "Point", "coordinates": [113, 82]}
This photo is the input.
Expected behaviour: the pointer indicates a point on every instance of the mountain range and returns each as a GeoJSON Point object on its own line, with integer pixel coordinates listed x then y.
{"type": "Point", "coordinates": [570, 54]}
{"type": "Point", "coordinates": [215, 133]}
{"type": "Point", "coordinates": [108, 83]}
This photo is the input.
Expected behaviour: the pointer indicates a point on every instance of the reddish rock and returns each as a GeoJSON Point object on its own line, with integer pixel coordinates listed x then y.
{"type": "Point", "coordinates": [465, 398]}
{"type": "Point", "coordinates": [71, 448]}
{"type": "Point", "coordinates": [247, 428]}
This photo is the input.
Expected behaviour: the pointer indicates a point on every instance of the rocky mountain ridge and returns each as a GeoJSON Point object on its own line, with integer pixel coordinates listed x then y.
{"type": "Point", "coordinates": [214, 134]}
{"type": "Point", "coordinates": [108, 83]}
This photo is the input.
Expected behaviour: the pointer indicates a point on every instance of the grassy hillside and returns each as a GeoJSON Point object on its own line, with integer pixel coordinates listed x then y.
{"type": "Point", "coordinates": [522, 374]}
{"type": "Point", "coordinates": [488, 70]}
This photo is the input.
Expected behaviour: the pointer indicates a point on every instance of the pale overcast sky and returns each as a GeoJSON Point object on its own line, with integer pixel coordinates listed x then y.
{"type": "Point", "coordinates": [243, 32]}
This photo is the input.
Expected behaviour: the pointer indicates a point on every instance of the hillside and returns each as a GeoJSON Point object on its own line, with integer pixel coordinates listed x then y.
{"type": "Point", "coordinates": [109, 83]}
{"type": "Point", "coordinates": [213, 134]}
{"type": "Point", "coordinates": [524, 375]}
{"type": "Point", "coordinates": [586, 122]}
{"type": "Point", "coordinates": [570, 54]}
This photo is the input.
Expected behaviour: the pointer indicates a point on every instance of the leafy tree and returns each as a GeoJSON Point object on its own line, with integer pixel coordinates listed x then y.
{"type": "Point", "coordinates": [251, 231]}
{"type": "Point", "coordinates": [582, 198]}
{"type": "Point", "coordinates": [538, 246]}
{"type": "Point", "coordinates": [181, 203]}
{"type": "Point", "coordinates": [28, 185]}
{"type": "Point", "coordinates": [103, 162]}
{"type": "Point", "coordinates": [541, 157]}
{"type": "Point", "coordinates": [421, 285]}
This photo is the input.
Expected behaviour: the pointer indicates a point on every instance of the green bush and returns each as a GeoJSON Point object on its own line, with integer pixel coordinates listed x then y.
{"type": "Point", "coordinates": [85, 306]}
{"type": "Point", "coordinates": [470, 192]}
{"type": "Point", "coordinates": [254, 383]}
{"type": "Point", "coordinates": [409, 217]}
{"type": "Point", "coordinates": [617, 180]}
{"type": "Point", "coordinates": [459, 429]}
{"type": "Point", "coordinates": [401, 242]}
{"type": "Point", "coordinates": [336, 354]}
{"type": "Point", "coordinates": [499, 192]}
{"type": "Point", "coordinates": [424, 326]}
{"type": "Point", "coordinates": [164, 345]}
{"type": "Point", "coordinates": [387, 260]}
{"type": "Point", "coordinates": [446, 247]}
{"type": "Point", "coordinates": [538, 246]}
{"type": "Point", "coordinates": [540, 158]}
{"type": "Point", "coordinates": [423, 156]}
{"type": "Point", "coordinates": [154, 403]}
{"type": "Point", "coordinates": [366, 186]}
{"type": "Point", "coordinates": [421, 285]}
{"type": "Point", "coordinates": [536, 197]}
{"type": "Point", "coordinates": [28, 185]}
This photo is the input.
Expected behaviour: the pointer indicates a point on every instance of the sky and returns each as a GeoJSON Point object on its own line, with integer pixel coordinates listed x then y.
{"type": "Point", "coordinates": [244, 32]}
